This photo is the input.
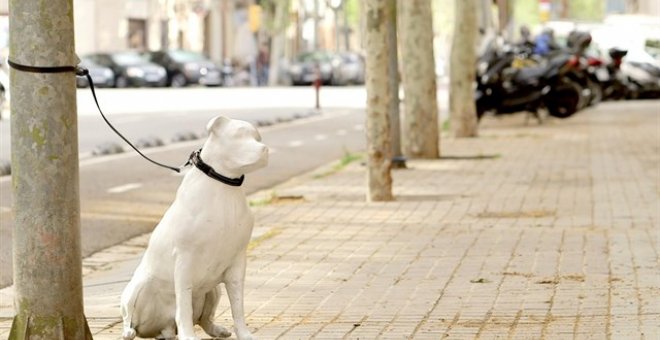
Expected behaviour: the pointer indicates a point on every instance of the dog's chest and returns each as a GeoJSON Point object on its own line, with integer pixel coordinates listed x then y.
{"type": "Point", "coordinates": [223, 232]}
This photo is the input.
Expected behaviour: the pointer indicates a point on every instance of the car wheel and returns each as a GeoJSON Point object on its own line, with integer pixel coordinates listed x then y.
{"type": "Point", "coordinates": [178, 80]}
{"type": "Point", "coordinates": [121, 82]}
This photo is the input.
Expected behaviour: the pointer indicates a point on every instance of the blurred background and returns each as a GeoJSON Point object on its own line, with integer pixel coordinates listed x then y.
{"type": "Point", "coordinates": [270, 42]}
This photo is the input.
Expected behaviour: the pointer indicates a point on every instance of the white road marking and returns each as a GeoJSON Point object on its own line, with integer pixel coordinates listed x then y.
{"type": "Point", "coordinates": [295, 143]}
{"type": "Point", "coordinates": [320, 137]}
{"type": "Point", "coordinates": [5, 209]}
{"type": "Point", "coordinates": [358, 127]}
{"type": "Point", "coordinates": [124, 188]}
{"type": "Point", "coordinates": [341, 132]}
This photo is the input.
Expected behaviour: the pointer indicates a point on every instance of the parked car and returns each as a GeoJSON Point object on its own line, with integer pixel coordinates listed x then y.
{"type": "Point", "coordinates": [308, 66]}
{"type": "Point", "coordinates": [348, 68]}
{"type": "Point", "coordinates": [102, 76]}
{"type": "Point", "coordinates": [186, 67]}
{"type": "Point", "coordinates": [131, 69]}
{"type": "Point", "coordinates": [4, 89]}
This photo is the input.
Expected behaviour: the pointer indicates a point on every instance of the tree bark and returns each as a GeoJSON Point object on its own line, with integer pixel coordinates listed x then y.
{"type": "Point", "coordinates": [462, 70]}
{"type": "Point", "coordinates": [398, 161]}
{"type": "Point", "coordinates": [277, 43]}
{"type": "Point", "coordinates": [44, 149]}
{"type": "Point", "coordinates": [379, 149]}
{"type": "Point", "coordinates": [420, 123]}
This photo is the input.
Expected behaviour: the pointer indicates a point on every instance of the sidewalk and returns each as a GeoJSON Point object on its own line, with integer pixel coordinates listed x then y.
{"type": "Point", "coordinates": [528, 232]}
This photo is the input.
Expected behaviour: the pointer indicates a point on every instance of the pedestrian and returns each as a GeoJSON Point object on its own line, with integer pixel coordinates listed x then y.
{"type": "Point", "coordinates": [263, 60]}
{"type": "Point", "coordinates": [545, 42]}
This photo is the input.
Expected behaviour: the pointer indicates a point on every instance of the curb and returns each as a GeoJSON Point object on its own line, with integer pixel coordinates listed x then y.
{"type": "Point", "coordinates": [112, 148]}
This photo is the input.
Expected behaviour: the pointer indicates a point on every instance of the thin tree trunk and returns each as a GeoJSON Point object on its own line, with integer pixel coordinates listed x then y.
{"type": "Point", "coordinates": [420, 124]}
{"type": "Point", "coordinates": [462, 74]}
{"type": "Point", "coordinates": [398, 161]}
{"type": "Point", "coordinates": [379, 150]}
{"type": "Point", "coordinates": [277, 43]}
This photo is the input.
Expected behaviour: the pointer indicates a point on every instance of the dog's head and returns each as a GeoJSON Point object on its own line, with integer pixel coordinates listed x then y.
{"type": "Point", "coordinates": [233, 147]}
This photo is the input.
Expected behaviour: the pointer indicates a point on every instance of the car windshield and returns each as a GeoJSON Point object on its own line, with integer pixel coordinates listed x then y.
{"type": "Point", "coordinates": [183, 56]}
{"type": "Point", "coordinates": [127, 58]}
{"type": "Point", "coordinates": [313, 57]}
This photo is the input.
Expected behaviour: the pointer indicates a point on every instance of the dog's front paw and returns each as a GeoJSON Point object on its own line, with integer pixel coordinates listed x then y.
{"type": "Point", "coordinates": [218, 331]}
{"type": "Point", "coordinates": [189, 338]}
{"type": "Point", "coordinates": [129, 334]}
{"type": "Point", "coordinates": [244, 335]}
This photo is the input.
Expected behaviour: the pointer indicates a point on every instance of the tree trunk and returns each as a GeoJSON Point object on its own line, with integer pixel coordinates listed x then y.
{"type": "Point", "coordinates": [44, 149]}
{"type": "Point", "coordinates": [462, 70]}
{"type": "Point", "coordinates": [379, 150]}
{"type": "Point", "coordinates": [420, 123]}
{"type": "Point", "coordinates": [398, 161]}
{"type": "Point", "coordinates": [277, 43]}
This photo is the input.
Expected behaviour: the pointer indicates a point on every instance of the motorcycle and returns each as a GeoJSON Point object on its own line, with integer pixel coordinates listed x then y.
{"type": "Point", "coordinates": [615, 85]}
{"type": "Point", "coordinates": [503, 89]}
{"type": "Point", "coordinates": [584, 69]}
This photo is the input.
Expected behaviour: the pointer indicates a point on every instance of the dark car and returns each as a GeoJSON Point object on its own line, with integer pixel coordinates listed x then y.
{"type": "Point", "coordinates": [131, 69]}
{"type": "Point", "coordinates": [186, 67]}
{"type": "Point", "coordinates": [101, 76]}
{"type": "Point", "coordinates": [308, 66]}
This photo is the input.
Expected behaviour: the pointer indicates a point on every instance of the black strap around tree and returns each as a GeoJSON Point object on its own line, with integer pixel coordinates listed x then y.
{"type": "Point", "coordinates": [80, 71]}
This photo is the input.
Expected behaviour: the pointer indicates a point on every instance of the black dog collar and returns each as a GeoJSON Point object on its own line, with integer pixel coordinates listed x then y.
{"type": "Point", "coordinates": [196, 160]}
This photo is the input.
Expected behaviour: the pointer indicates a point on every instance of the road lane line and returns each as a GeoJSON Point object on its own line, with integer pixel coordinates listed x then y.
{"type": "Point", "coordinates": [358, 127]}
{"type": "Point", "coordinates": [320, 137]}
{"type": "Point", "coordinates": [124, 188]}
{"type": "Point", "coordinates": [341, 132]}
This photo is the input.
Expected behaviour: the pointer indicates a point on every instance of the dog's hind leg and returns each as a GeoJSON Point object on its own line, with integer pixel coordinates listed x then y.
{"type": "Point", "coordinates": [169, 333]}
{"type": "Point", "coordinates": [208, 312]}
{"type": "Point", "coordinates": [233, 278]}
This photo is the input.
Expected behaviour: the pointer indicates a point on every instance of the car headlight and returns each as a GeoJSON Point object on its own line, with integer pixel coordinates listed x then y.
{"type": "Point", "coordinates": [134, 72]}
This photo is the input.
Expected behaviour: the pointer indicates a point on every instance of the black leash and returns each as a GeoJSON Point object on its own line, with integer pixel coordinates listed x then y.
{"type": "Point", "coordinates": [80, 71]}
{"type": "Point", "coordinates": [83, 72]}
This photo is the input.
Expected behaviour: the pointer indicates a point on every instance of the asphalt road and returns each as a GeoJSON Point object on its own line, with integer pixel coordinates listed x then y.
{"type": "Point", "coordinates": [123, 196]}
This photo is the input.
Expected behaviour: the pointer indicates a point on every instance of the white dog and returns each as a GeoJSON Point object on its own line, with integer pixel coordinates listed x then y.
{"type": "Point", "coordinates": [200, 242]}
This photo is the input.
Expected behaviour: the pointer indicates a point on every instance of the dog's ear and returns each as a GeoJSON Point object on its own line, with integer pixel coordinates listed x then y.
{"type": "Point", "coordinates": [215, 123]}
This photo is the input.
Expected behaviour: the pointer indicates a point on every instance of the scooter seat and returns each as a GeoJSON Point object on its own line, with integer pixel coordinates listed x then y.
{"type": "Point", "coordinates": [529, 75]}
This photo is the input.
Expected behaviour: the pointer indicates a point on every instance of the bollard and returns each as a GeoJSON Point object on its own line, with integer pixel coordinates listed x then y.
{"type": "Point", "coordinates": [317, 88]}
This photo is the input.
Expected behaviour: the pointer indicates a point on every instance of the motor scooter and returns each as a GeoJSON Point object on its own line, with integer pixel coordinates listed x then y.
{"type": "Point", "coordinates": [502, 89]}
